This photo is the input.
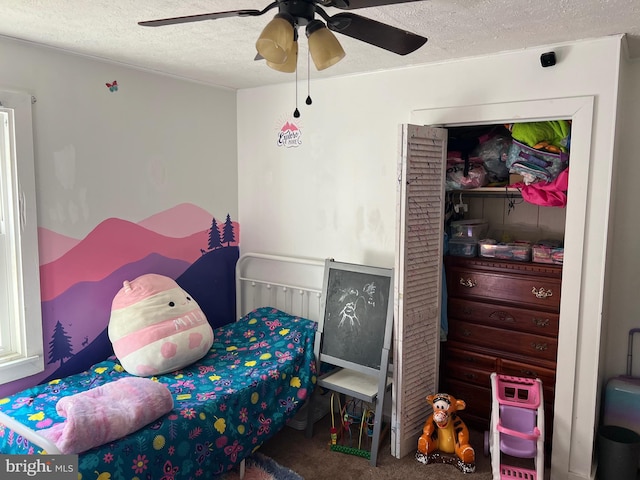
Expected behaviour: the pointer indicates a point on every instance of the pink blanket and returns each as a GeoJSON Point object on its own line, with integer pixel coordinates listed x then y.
{"type": "Point", "coordinates": [108, 412]}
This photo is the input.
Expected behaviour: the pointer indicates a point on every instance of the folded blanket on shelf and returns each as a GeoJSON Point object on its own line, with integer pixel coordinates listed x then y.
{"type": "Point", "coordinates": [108, 412]}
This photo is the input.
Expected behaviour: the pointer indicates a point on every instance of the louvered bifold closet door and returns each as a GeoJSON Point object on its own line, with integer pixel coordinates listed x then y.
{"type": "Point", "coordinates": [417, 280]}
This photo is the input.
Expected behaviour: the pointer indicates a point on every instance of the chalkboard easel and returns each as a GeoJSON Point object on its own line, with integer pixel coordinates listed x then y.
{"type": "Point", "coordinates": [354, 335]}
{"type": "Point", "coordinates": [357, 316]}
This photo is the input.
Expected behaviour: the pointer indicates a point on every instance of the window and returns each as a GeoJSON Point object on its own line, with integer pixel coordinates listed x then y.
{"type": "Point", "coordinates": [21, 344]}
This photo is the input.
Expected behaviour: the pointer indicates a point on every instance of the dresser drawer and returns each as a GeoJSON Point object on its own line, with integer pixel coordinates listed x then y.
{"type": "Point", "coordinates": [524, 344]}
{"type": "Point", "coordinates": [522, 290]}
{"type": "Point", "coordinates": [469, 374]}
{"type": "Point", "coordinates": [517, 369]}
{"type": "Point", "coordinates": [470, 359]}
{"type": "Point", "coordinates": [499, 316]}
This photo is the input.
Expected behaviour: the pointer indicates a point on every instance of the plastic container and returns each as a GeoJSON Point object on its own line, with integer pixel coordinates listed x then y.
{"type": "Point", "coordinates": [518, 251]}
{"type": "Point", "coordinates": [462, 247]}
{"type": "Point", "coordinates": [548, 251]}
{"type": "Point", "coordinates": [469, 229]}
{"type": "Point", "coordinates": [618, 452]}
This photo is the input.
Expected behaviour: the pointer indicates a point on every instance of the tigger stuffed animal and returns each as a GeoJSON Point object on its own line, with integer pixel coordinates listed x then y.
{"type": "Point", "coordinates": [444, 430]}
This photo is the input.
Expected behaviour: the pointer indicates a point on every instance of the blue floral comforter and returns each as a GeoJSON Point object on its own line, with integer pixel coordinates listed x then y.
{"type": "Point", "coordinates": [256, 376]}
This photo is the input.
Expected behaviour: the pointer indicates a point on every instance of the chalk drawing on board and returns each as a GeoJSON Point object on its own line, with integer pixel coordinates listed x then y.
{"type": "Point", "coordinates": [355, 317]}
{"type": "Point", "coordinates": [351, 299]}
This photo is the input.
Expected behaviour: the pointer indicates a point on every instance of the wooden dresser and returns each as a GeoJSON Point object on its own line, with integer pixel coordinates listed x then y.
{"type": "Point", "coordinates": [503, 317]}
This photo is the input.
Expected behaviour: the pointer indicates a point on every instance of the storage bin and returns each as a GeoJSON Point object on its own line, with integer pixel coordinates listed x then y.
{"type": "Point", "coordinates": [469, 229]}
{"type": "Point", "coordinates": [618, 451]}
{"type": "Point", "coordinates": [548, 251]}
{"type": "Point", "coordinates": [462, 247]}
{"type": "Point", "coordinates": [519, 251]}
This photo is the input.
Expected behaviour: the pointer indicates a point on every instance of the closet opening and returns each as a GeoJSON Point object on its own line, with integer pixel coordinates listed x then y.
{"type": "Point", "coordinates": [500, 206]}
{"type": "Point", "coordinates": [504, 222]}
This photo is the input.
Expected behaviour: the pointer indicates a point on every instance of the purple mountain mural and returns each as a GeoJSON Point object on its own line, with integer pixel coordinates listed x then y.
{"type": "Point", "coordinates": [85, 308]}
{"type": "Point", "coordinates": [79, 285]}
{"type": "Point", "coordinates": [210, 281]}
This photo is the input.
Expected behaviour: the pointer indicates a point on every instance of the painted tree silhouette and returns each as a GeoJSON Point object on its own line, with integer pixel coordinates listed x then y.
{"type": "Point", "coordinates": [60, 345]}
{"type": "Point", "coordinates": [227, 231]}
{"type": "Point", "coordinates": [214, 236]}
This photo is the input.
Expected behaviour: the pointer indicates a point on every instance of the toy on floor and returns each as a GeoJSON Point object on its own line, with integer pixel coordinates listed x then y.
{"type": "Point", "coordinates": [517, 426]}
{"type": "Point", "coordinates": [355, 429]}
{"type": "Point", "coordinates": [445, 437]}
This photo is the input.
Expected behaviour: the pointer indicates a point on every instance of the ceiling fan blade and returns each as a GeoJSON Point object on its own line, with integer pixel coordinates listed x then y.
{"type": "Point", "coordinates": [355, 4]}
{"type": "Point", "coordinates": [376, 33]}
{"type": "Point", "coordinates": [203, 16]}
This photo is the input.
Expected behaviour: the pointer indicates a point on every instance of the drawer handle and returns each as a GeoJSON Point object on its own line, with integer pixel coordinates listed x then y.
{"type": "Point", "coordinates": [541, 292]}
{"type": "Point", "coordinates": [466, 333]}
{"type": "Point", "coordinates": [467, 282]}
{"type": "Point", "coordinates": [467, 310]}
{"type": "Point", "coordinates": [470, 376]}
{"type": "Point", "coordinates": [541, 347]}
{"type": "Point", "coordinates": [540, 322]}
{"type": "Point", "coordinates": [504, 316]}
{"type": "Point", "coordinates": [529, 373]}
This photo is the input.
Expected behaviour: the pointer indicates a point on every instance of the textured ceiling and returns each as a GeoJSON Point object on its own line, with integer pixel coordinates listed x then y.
{"type": "Point", "coordinates": [221, 52]}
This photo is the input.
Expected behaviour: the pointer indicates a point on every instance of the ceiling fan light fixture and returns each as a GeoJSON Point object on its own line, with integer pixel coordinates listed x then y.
{"type": "Point", "coordinates": [323, 45]}
{"type": "Point", "coordinates": [276, 39]}
{"type": "Point", "coordinates": [290, 64]}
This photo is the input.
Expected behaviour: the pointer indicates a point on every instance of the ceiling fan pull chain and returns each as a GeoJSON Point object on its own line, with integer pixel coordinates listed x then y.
{"type": "Point", "coordinates": [296, 112]}
{"type": "Point", "coordinates": [308, 101]}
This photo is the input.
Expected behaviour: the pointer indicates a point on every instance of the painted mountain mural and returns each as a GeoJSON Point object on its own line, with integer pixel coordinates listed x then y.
{"type": "Point", "coordinates": [53, 245]}
{"type": "Point", "coordinates": [185, 243]}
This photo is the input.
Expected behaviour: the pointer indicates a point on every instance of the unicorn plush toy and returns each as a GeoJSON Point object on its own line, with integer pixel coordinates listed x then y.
{"type": "Point", "coordinates": [156, 327]}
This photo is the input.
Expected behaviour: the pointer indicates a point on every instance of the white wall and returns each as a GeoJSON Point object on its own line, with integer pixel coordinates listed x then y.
{"type": "Point", "coordinates": [155, 143]}
{"type": "Point", "coordinates": [623, 308]}
{"type": "Point", "coordinates": [335, 195]}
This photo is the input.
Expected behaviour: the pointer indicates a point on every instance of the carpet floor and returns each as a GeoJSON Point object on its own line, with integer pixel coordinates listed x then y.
{"type": "Point", "coordinates": [261, 467]}
{"type": "Point", "coordinates": [312, 459]}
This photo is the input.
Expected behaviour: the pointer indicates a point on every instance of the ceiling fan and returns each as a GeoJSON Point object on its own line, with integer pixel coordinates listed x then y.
{"type": "Point", "coordinates": [278, 41]}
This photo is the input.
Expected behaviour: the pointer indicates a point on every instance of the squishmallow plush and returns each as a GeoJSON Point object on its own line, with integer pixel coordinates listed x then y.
{"type": "Point", "coordinates": [156, 327]}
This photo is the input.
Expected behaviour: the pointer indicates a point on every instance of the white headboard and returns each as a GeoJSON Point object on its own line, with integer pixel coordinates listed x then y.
{"type": "Point", "coordinates": [290, 284]}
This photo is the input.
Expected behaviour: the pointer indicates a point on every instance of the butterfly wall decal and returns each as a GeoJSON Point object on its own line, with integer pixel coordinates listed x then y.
{"type": "Point", "coordinates": [113, 87]}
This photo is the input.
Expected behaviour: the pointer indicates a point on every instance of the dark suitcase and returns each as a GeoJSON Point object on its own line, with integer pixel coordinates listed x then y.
{"type": "Point", "coordinates": [622, 396]}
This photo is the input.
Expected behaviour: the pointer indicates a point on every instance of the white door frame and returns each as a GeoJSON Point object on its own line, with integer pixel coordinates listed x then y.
{"type": "Point", "coordinates": [572, 440]}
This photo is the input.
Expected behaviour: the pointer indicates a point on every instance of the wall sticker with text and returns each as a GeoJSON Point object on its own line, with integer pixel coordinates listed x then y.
{"type": "Point", "coordinates": [289, 135]}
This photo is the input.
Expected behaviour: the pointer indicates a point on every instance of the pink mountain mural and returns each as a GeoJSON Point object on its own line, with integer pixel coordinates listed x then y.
{"type": "Point", "coordinates": [180, 221]}
{"type": "Point", "coordinates": [193, 219]}
{"type": "Point", "coordinates": [116, 242]}
{"type": "Point", "coordinates": [84, 309]}
{"type": "Point", "coordinates": [110, 245]}
{"type": "Point", "coordinates": [80, 277]}
{"type": "Point", "coordinates": [53, 245]}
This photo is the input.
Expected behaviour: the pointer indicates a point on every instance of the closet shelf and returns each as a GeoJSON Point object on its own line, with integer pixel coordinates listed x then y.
{"type": "Point", "coordinates": [488, 191]}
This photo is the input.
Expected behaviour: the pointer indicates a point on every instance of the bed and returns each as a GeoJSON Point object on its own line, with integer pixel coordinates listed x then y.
{"type": "Point", "coordinates": [254, 379]}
